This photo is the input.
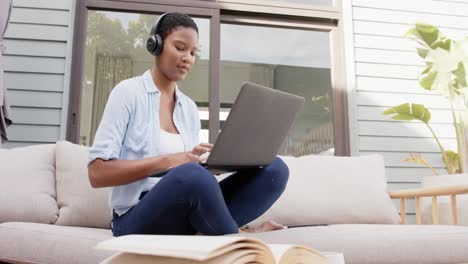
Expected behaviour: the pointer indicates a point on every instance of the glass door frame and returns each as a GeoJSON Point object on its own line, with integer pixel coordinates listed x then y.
{"type": "Point", "coordinates": [207, 10]}
{"type": "Point", "coordinates": [337, 68]}
{"type": "Point", "coordinates": [260, 12]}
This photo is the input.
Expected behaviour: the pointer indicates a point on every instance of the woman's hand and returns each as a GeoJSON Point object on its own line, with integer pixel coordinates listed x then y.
{"type": "Point", "coordinates": [180, 158]}
{"type": "Point", "coordinates": [202, 148]}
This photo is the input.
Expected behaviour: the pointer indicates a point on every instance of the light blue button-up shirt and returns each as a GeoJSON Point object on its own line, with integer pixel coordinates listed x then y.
{"type": "Point", "coordinates": [129, 130]}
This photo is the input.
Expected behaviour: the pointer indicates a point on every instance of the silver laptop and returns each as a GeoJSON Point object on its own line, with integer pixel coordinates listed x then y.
{"type": "Point", "coordinates": [254, 130]}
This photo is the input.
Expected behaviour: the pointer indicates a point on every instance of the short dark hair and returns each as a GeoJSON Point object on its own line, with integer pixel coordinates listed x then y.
{"type": "Point", "coordinates": [174, 21]}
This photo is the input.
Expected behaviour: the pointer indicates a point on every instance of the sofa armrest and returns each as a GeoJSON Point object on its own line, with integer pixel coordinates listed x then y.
{"type": "Point", "coordinates": [433, 192]}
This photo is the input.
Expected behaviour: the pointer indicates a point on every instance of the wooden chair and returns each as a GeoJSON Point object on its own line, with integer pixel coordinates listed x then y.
{"type": "Point", "coordinates": [434, 192]}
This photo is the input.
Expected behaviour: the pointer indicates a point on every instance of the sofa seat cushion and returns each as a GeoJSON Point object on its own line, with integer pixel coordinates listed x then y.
{"type": "Point", "coordinates": [42, 243]}
{"type": "Point", "coordinates": [383, 244]}
{"type": "Point", "coordinates": [27, 188]}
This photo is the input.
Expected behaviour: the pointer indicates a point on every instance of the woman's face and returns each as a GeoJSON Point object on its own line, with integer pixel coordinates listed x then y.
{"type": "Point", "coordinates": [178, 54]}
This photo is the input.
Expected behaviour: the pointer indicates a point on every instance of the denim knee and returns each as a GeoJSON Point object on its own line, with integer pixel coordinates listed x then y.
{"type": "Point", "coordinates": [195, 178]}
{"type": "Point", "coordinates": [278, 172]}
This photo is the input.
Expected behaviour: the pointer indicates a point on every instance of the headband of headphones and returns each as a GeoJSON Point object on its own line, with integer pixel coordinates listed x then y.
{"type": "Point", "coordinates": [154, 44]}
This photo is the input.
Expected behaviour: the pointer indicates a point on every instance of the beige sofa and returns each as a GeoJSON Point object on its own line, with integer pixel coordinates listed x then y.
{"type": "Point", "coordinates": [50, 214]}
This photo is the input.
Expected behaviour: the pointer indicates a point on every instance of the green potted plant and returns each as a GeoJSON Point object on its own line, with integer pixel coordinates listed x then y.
{"type": "Point", "coordinates": [446, 73]}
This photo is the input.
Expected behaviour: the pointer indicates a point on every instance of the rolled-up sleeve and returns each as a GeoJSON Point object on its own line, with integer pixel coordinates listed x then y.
{"type": "Point", "coordinates": [111, 132]}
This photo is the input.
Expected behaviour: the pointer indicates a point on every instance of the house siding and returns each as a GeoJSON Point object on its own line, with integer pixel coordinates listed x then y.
{"type": "Point", "coordinates": [37, 68]}
{"type": "Point", "coordinates": [385, 71]}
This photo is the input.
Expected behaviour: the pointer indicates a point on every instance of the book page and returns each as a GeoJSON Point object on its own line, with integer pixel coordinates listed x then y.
{"type": "Point", "coordinates": [189, 247]}
{"type": "Point", "coordinates": [235, 257]}
{"type": "Point", "coordinates": [284, 253]}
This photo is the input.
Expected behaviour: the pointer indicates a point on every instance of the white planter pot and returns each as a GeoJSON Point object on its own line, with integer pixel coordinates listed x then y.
{"type": "Point", "coordinates": [445, 211]}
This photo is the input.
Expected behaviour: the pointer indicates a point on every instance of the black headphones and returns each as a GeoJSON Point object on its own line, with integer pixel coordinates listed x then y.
{"type": "Point", "coordinates": [154, 44]}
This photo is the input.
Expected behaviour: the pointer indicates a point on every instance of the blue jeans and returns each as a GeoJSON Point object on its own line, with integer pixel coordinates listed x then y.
{"type": "Point", "coordinates": [189, 199]}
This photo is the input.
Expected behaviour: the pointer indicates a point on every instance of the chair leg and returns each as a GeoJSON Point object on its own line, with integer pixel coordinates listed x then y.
{"type": "Point", "coordinates": [453, 200]}
{"type": "Point", "coordinates": [435, 211]}
{"type": "Point", "coordinates": [402, 211]}
{"type": "Point", "coordinates": [418, 210]}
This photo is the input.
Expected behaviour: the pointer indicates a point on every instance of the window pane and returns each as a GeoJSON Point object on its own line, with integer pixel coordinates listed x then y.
{"type": "Point", "coordinates": [290, 60]}
{"type": "Point", "coordinates": [116, 50]}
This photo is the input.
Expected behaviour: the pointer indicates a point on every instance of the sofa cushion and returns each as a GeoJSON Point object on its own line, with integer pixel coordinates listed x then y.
{"type": "Point", "coordinates": [334, 190]}
{"type": "Point", "coordinates": [79, 203]}
{"type": "Point", "coordinates": [27, 189]}
{"type": "Point", "coordinates": [40, 243]}
{"type": "Point", "coordinates": [383, 244]}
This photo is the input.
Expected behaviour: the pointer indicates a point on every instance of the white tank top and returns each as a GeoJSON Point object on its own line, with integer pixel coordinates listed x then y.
{"type": "Point", "coordinates": [170, 143]}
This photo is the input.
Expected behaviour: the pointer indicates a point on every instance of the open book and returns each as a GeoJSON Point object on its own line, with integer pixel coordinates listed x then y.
{"type": "Point", "coordinates": [142, 249]}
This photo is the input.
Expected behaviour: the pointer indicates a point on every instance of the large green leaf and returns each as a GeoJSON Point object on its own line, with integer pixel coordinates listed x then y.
{"type": "Point", "coordinates": [452, 161]}
{"type": "Point", "coordinates": [428, 68]}
{"type": "Point", "coordinates": [411, 32]}
{"type": "Point", "coordinates": [427, 78]}
{"type": "Point", "coordinates": [425, 32]}
{"type": "Point", "coordinates": [400, 109]}
{"type": "Point", "coordinates": [409, 112]}
{"type": "Point", "coordinates": [443, 43]}
{"type": "Point", "coordinates": [422, 52]}
{"type": "Point", "coordinates": [460, 74]}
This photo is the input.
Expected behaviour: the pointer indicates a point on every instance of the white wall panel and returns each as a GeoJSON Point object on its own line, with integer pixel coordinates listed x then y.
{"type": "Point", "coordinates": [40, 16]}
{"type": "Point", "coordinates": [404, 144]}
{"type": "Point", "coordinates": [388, 71]}
{"type": "Point", "coordinates": [430, 101]}
{"type": "Point", "coordinates": [416, 6]}
{"type": "Point", "coordinates": [36, 116]}
{"type": "Point", "coordinates": [34, 81]}
{"type": "Point", "coordinates": [35, 48]}
{"type": "Point", "coordinates": [38, 43]}
{"type": "Point", "coordinates": [398, 30]}
{"type": "Point", "coordinates": [388, 57]}
{"type": "Point", "coordinates": [396, 159]}
{"type": "Point", "coordinates": [38, 32]}
{"type": "Point", "coordinates": [35, 99]}
{"type": "Point", "coordinates": [34, 64]}
{"type": "Point", "coordinates": [374, 113]}
{"type": "Point", "coordinates": [408, 17]}
{"type": "Point", "coordinates": [378, 84]}
{"type": "Point", "coordinates": [44, 4]}
{"type": "Point", "coordinates": [405, 129]}
{"type": "Point", "coordinates": [384, 43]}
{"type": "Point", "coordinates": [33, 133]}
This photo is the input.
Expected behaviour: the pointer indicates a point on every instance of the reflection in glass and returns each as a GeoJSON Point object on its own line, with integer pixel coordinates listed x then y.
{"type": "Point", "coordinates": [290, 60]}
{"type": "Point", "coordinates": [115, 50]}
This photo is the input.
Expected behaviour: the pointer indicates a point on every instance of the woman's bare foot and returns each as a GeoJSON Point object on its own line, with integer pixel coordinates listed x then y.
{"type": "Point", "coordinates": [266, 226]}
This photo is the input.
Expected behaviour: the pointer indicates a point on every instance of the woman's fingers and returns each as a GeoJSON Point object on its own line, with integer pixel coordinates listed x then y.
{"type": "Point", "coordinates": [198, 150]}
{"type": "Point", "coordinates": [202, 148]}
{"type": "Point", "coordinates": [192, 157]}
{"type": "Point", "coordinates": [206, 145]}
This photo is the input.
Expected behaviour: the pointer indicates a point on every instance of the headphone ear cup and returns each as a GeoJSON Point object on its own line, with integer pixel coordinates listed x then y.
{"type": "Point", "coordinates": [154, 44]}
{"type": "Point", "coordinates": [159, 45]}
{"type": "Point", "coordinates": [151, 44]}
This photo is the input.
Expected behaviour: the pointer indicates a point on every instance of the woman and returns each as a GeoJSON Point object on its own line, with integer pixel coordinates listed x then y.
{"type": "Point", "coordinates": [149, 125]}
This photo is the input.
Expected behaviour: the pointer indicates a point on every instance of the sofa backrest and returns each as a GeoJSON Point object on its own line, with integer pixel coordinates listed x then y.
{"type": "Point", "coordinates": [334, 190]}
{"type": "Point", "coordinates": [79, 204]}
{"type": "Point", "coordinates": [27, 185]}
{"type": "Point", "coordinates": [49, 184]}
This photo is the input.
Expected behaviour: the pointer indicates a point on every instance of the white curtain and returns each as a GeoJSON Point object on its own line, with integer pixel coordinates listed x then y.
{"type": "Point", "coordinates": [109, 71]}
